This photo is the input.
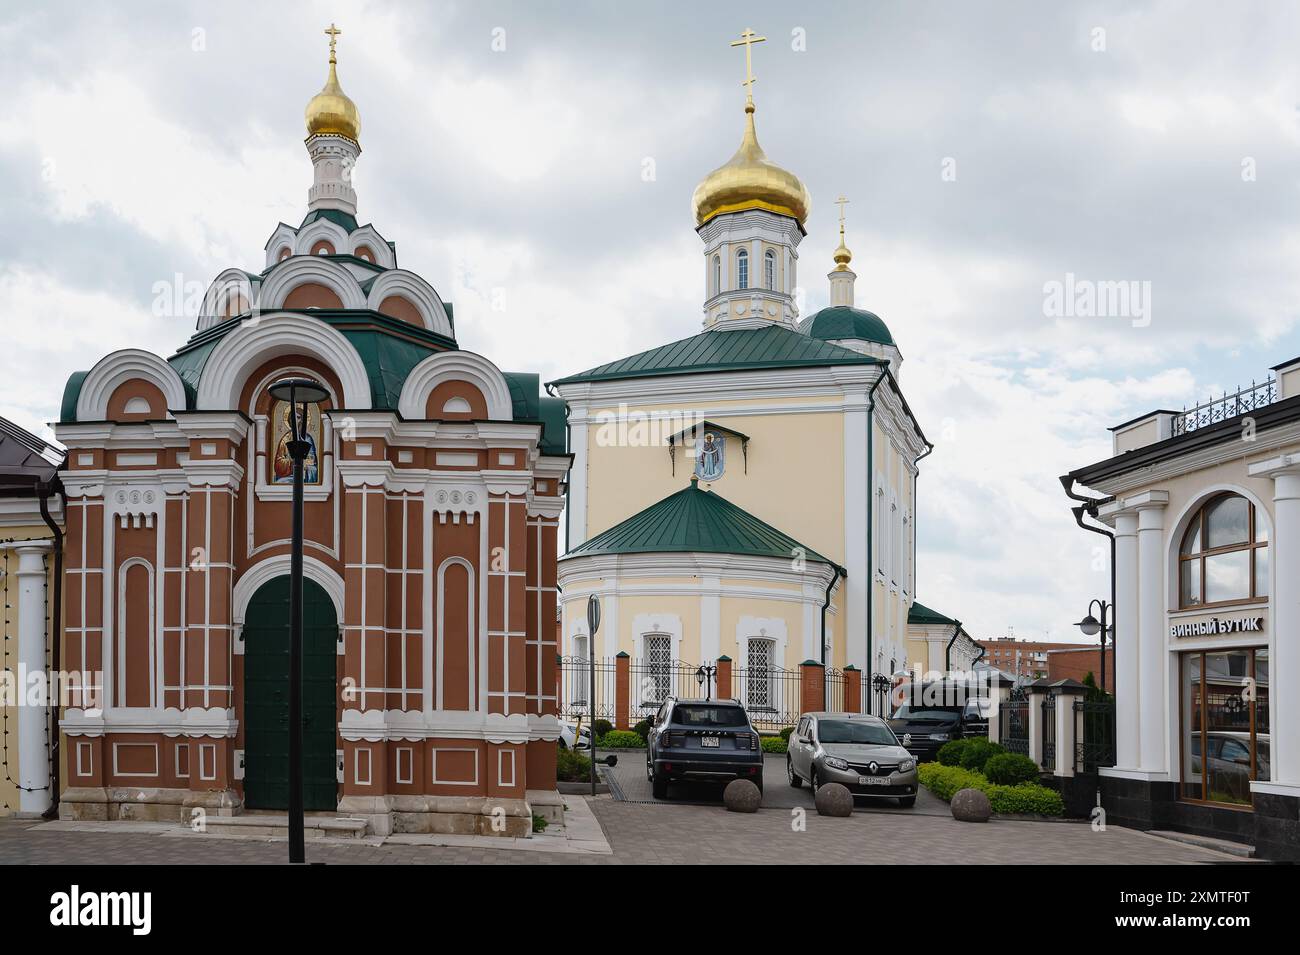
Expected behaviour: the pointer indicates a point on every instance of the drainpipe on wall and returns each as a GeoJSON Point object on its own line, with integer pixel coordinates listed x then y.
{"type": "Point", "coordinates": [835, 577]}
{"type": "Point", "coordinates": [1090, 506]}
{"type": "Point", "coordinates": [43, 491]}
{"type": "Point", "coordinates": [947, 651]}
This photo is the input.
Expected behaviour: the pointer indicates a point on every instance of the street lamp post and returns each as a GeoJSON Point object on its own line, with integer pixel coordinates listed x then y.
{"type": "Point", "coordinates": [1092, 626]}
{"type": "Point", "coordinates": [298, 392]}
{"type": "Point", "coordinates": [593, 624]}
{"type": "Point", "coordinates": [705, 676]}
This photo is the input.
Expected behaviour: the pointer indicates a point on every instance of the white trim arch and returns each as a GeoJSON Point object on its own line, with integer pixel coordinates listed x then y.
{"type": "Point", "coordinates": [272, 336]}
{"type": "Point", "coordinates": [305, 269]}
{"type": "Point", "coordinates": [120, 636]}
{"type": "Point", "coordinates": [415, 290]}
{"type": "Point", "coordinates": [267, 570]}
{"type": "Point", "coordinates": [471, 632]}
{"type": "Point", "coordinates": [119, 367]}
{"type": "Point", "coordinates": [455, 366]}
{"type": "Point", "coordinates": [217, 292]}
{"type": "Point", "coordinates": [284, 236]}
{"type": "Point", "coordinates": [366, 235]}
{"type": "Point", "coordinates": [1173, 591]}
{"type": "Point", "coordinates": [326, 229]}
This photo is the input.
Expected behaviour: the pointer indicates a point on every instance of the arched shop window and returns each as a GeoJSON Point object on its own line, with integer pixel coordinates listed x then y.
{"type": "Point", "coordinates": [1224, 555]}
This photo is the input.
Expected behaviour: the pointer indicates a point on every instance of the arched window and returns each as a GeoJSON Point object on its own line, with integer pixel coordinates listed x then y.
{"type": "Point", "coordinates": [760, 694]}
{"type": "Point", "coordinates": [742, 269]}
{"type": "Point", "coordinates": [1224, 554]}
{"type": "Point", "coordinates": [769, 270]}
{"type": "Point", "coordinates": [717, 274]}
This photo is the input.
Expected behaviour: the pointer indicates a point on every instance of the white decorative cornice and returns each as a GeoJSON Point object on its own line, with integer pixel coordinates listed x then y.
{"type": "Point", "coordinates": [216, 722]}
{"type": "Point", "coordinates": [379, 725]}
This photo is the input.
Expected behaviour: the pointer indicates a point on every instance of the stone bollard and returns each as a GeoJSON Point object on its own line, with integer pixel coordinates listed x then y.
{"type": "Point", "coordinates": [741, 796]}
{"type": "Point", "coordinates": [833, 799]}
{"type": "Point", "coordinates": [971, 805]}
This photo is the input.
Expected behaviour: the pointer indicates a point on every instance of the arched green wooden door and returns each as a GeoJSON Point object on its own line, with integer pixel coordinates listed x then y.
{"type": "Point", "coordinates": [266, 697]}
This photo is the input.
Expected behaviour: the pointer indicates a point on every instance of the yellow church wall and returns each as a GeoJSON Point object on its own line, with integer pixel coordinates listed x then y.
{"type": "Point", "coordinates": [788, 612]}
{"type": "Point", "coordinates": [801, 455]}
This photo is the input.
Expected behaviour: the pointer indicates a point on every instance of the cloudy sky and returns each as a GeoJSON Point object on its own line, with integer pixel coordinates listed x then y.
{"type": "Point", "coordinates": [988, 148]}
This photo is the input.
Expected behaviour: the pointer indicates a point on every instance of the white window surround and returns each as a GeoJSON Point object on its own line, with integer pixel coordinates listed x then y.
{"type": "Point", "coordinates": [1176, 530]}
{"type": "Point", "coordinates": [260, 465]}
{"type": "Point", "coordinates": [644, 624]}
{"type": "Point", "coordinates": [763, 628]}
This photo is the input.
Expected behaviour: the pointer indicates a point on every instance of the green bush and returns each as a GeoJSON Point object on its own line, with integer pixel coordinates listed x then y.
{"type": "Point", "coordinates": [572, 767]}
{"type": "Point", "coordinates": [1010, 769]}
{"type": "Point", "coordinates": [621, 739]}
{"type": "Point", "coordinates": [601, 727]}
{"type": "Point", "coordinates": [785, 733]}
{"type": "Point", "coordinates": [977, 753]}
{"type": "Point", "coordinates": [1022, 799]}
{"type": "Point", "coordinates": [539, 823]}
{"type": "Point", "coordinates": [774, 744]}
{"type": "Point", "coordinates": [950, 753]}
{"type": "Point", "coordinates": [642, 729]}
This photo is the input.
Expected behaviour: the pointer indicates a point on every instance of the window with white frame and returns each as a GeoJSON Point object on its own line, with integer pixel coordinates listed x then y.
{"type": "Point", "coordinates": [742, 269]}
{"type": "Point", "coordinates": [717, 274]}
{"type": "Point", "coordinates": [769, 270]}
{"type": "Point", "coordinates": [659, 662]}
{"type": "Point", "coordinates": [760, 692]}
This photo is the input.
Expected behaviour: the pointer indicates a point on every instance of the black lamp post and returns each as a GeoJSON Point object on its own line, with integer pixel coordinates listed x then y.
{"type": "Point", "coordinates": [1092, 626]}
{"type": "Point", "coordinates": [881, 684]}
{"type": "Point", "coordinates": [705, 676]}
{"type": "Point", "coordinates": [298, 392]}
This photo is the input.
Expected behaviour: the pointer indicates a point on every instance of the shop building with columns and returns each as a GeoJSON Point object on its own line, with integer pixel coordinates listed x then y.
{"type": "Point", "coordinates": [1205, 508]}
{"type": "Point", "coordinates": [434, 486]}
{"type": "Point", "coordinates": [29, 538]}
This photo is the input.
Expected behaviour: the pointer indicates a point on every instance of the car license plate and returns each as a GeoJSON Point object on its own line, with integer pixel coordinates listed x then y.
{"type": "Point", "coordinates": [709, 741]}
{"type": "Point", "coordinates": [872, 781]}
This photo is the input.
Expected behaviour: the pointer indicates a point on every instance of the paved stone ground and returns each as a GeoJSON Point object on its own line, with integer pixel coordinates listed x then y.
{"type": "Point", "coordinates": [692, 828]}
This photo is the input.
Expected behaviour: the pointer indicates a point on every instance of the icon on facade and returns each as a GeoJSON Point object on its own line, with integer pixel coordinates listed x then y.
{"type": "Point", "coordinates": [281, 461]}
{"type": "Point", "coordinates": [710, 456]}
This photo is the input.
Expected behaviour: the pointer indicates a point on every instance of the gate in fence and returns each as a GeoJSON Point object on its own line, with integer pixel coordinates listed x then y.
{"type": "Point", "coordinates": [1095, 746]}
{"type": "Point", "coordinates": [1013, 727]}
{"type": "Point", "coordinates": [1049, 733]}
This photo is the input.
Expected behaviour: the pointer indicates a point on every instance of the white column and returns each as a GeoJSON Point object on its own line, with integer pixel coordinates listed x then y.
{"type": "Point", "coordinates": [577, 503]}
{"type": "Point", "coordinates": [1152, 707]}
{"type": "Point", "coordinates": [33, 721]}
{"type": "Point", "coordinates": [1127, 745]}
{"type": "Point", "coordinates": [857, 559]}
{"type": "Point", "coordinates": [1284, 645]}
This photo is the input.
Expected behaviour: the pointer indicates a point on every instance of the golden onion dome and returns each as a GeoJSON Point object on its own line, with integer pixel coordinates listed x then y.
{"type": "Point", "coordinates": [749, 180]}
{"type": "Point", "coordinates": [331, 111]}
{"type": "Point", "coordinates": [842, 255]}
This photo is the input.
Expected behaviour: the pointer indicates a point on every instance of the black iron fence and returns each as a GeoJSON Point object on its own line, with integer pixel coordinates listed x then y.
{"type": "Point", "coordinates": [576, 688]}
{"type": "Point", "coordinates": [1013, 723]}
{"type": "Point", "coordinates": [1049, 733]}
{"type": "Point", "coordinates": [1095, 746]}
{"type": "Point", "coordinates": [834, 691]}
{"type": "Point", "coordinates": [771, 695]}
{"type": "Point", "coordinates": [652, 682]}
{"type": "Point", "coordinates": [1226, 406]}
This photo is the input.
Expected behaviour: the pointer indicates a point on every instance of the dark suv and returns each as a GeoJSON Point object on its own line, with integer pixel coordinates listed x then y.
{"type": "Point", "coordinates": [703, 740]}
{"type": "Point", "coordinates": [923, 728]}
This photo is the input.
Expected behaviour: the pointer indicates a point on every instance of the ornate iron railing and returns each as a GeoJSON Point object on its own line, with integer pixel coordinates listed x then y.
{"type": "Point", "coordinates": [1096, 744]}
{"type": "Point", "coordinates": [1013, 726]}
{"type": "Point", "coordinates": [576, 689]}
{"type": "Point", "coordinates": [1226, 406]}
{"type": "Point", "coordinates": [771, 696]}
{"type": "Point", "coordinates": [1049, 733]}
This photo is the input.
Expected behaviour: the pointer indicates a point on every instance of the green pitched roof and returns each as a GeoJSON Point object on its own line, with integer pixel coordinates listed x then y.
{"type": "Point", "coordinates": [840, 322]}
{"type": "Point", "coordinates": [736, 350]}
{"type": "Point", "coordinates": [337, 216]}
{"type": "Point", "coordinates": [697, 521]}
{"type": "Point", "coordinates": [921, 614]}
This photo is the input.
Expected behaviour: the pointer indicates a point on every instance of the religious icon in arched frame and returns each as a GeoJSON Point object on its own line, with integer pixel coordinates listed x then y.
{"type": "Point", "coordinates": [710, 455]}
{"type": "Point", "coordinates": [281, 463]}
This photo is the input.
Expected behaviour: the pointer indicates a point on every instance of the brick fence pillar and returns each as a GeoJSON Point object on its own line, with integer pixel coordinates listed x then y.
{"type": "Point", "coordinates": [622, 689]}
{"type": "Point", "coordinates": [725, 690]}
{"type": "Point", "coordinates": [852, 689]}
{"type": "Point", "coordinates": [812, 686]}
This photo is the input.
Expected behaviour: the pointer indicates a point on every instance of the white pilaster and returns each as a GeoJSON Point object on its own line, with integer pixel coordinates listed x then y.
{"type": "Point", "coordinates": [711, 619]}
{"type": "Point", "coordinates": [857, 560]}
{"type": "Point", "coordinates": [1284, 643]}
{"type": "Point", "coordinates": [33, 721]}
{"type": "Point", "coordinates": [1152, 703]}
{"type": "Point", "coordinates": [577, 503]}
{"type": "Point", "coordinates": [1127, 717]}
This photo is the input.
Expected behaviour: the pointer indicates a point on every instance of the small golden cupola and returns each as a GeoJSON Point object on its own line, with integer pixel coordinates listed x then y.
{"type": "Point", "coordinates": [750, 214]}
{"type": "Point", "coordinates": [331, 112]}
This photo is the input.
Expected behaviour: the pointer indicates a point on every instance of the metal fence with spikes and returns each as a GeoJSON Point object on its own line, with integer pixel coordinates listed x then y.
{"type": "Point", "coordinates": [1227, 406]}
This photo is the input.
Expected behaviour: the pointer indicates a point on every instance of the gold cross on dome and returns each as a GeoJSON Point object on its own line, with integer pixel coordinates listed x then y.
{"type": "Point", "coordinates": [747, 39]}
{"type": "Point", "coordinates": [333, 33]}
{"type": "Point", "coordinates": [842, 201]}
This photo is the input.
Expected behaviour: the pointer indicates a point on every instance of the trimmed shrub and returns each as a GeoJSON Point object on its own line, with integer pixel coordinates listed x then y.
{"type": "Point", "coordinates": [774, 744]}
{"type": "Point", "coordinates": [621, 739]}
{"type": "Point", "coordinates": [1022, 799]}
{"type": "Point", "coordinates": [977, 753]}
{"type": "Point", "coordinates": [1010, 769]}
{"type": "Point", "coordinates": [950, 753]}
{"type": "Point", "coordinates": [785, 734]}
{"type": "Point", "coordinates": [572, 767]}
{"type": "Point", "coordinates": [601, 727]}
{"type": "Point", "coordinates": [642, 729]}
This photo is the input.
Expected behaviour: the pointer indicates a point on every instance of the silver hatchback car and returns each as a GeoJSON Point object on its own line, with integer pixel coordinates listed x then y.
{"type": "Point", "coordinates": [856, 750]}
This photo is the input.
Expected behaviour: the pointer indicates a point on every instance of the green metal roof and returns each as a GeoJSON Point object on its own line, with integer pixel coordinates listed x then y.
{"type": "Point", "coordinates": [337, 216]}
{"type": "Point", "coordinates": [736, 350]}
{"type": "Point", "coordinates": [921, 614]}
{"type": "Point", "coordinates": [554, 422]}
{"type": "Point", "coordinates": [839, 322]}
{"type": "Point", "coordinates": [692, 521]}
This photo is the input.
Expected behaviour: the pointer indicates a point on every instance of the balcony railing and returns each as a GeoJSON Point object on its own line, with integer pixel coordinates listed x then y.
{"type": "Point", "coordinates": [1225, 407]}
